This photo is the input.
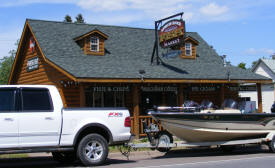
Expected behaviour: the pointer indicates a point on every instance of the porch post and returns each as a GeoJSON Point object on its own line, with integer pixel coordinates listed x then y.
{"type": "Point", "coordinates": [222, 94]}
{"type": "Point", "coordinates": [259, 93]}
{"type": "Point", "coordinates": [82, 95]}
{"type": "Point", "coordinates": [180, 94]}
{"type": "Point", "coordinates": [136, 109]}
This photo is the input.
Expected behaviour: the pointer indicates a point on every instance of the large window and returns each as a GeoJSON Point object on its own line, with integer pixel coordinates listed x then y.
{"type": "Point", "coordinates": [188, 49]}
{"type": "Point", "coordinates": [105, 98]}
{"type": "Point", "coordinates": [36, 100]}
{"type": "Point", "coordinates": [7, 100]}
{"type": "Point", "coordinates": [94, 44]}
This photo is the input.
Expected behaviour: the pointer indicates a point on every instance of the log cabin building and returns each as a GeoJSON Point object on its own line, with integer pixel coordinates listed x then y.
{"type": "Point", "coordinates": [109, 66]}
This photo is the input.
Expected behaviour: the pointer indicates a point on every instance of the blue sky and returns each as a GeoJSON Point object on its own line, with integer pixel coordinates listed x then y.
{"type": "Point", "coordinates": [241, 29]}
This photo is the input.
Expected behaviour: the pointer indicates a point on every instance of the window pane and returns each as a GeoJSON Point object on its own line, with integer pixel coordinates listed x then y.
{"type": "Point", "coordinates": [97, 99]}
{"type": "Point", "coordinates": [108, 99]}
{"type": "Point", "coordinates": [7, 101]}
{"type": "Point", "coordinates": [36, 100]}
{"type": "Point", "coordinates": [188, 48]}
{"type": "Point", "coordinates": [119, 99]}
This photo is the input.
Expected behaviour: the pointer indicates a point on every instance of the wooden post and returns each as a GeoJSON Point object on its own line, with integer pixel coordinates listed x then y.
{"type": "Point", "coordinates": [62, 96]}
{"type": "Point", "coordinates": [222, 94]}
{"type": "Point", "coordinates": [181, 95]}
{"type": "Point", "coordinates": [82, 95]}
{"type": "Point", "coordinates": [259, 93]}
{"type": "Point", "coordinates": [136, 109]}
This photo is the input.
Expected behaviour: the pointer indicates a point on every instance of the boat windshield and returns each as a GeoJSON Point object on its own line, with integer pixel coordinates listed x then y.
{"type": "Point", "coordinates": [206, 104]}
{"type": "Point", "coordinates": [230, 104]}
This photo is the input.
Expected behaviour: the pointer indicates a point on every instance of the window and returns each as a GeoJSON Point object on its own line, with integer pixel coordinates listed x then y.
{"type": "Point", "coordinates": [188, 49]}
{"type": "Point", "coordinates": [36, 100]}
{"type": "Point", "coordinates": [94, 44]}
{"type": "Point", "coordinates": [7, 100]}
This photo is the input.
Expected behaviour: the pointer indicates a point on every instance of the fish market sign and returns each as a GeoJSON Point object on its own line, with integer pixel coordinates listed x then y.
{"type": "Point", "coordinates": [111, 89]}
{"type": "Point", "coordinates": [32, 64]}
{"type": "Point", "coordinates": [171, 33]}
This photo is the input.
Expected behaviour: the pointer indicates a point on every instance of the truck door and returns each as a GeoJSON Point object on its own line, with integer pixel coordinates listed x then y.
{"type": "Point", "coordinates": [39, 122]}
{"type": "Point", "coordinates": [8, 118]}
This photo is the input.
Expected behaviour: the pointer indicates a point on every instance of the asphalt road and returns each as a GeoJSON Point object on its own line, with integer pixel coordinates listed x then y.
{"type": "Point", "coordinates": [244, 157]}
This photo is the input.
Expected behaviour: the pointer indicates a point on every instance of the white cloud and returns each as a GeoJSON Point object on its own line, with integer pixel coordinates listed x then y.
{"type": "Point", "coordinates": [213, 9]}
{"type": "Point", "coordinates": [260, 51]}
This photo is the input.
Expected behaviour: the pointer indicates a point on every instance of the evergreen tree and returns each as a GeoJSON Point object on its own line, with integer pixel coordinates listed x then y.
{"type": "Point", "coordinates": [79, 19]}
{"type": "Point", "coordinates": [242, 65]}
{"type": "Point", "coordinates": [5, 67]}
{"type": "Point", "coordinates": [68, 18]}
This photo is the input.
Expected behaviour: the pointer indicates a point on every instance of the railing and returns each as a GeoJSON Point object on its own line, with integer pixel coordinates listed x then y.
{"type": "Point", "coordinates": [148, 120]}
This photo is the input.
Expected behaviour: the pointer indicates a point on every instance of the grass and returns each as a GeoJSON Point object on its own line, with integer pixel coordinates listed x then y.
{"type": "Point", "coordinates": [7, 156]}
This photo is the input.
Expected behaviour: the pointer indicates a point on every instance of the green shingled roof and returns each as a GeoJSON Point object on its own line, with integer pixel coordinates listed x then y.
{"type": "Point", "coordinates": [128, 50]}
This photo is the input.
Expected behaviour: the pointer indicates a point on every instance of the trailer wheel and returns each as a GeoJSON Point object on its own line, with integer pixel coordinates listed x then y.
{"type": "Point", "coordinates": [64, 157]}
{"type": "Point", "coordinates": [271, 145]}
{"type": "Point", "coordinates": [164, 138]}
{"type": "Point", "coordinates": [92, 150]}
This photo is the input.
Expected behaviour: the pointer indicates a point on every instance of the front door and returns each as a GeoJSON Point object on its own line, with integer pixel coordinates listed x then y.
{"type": "Point", "coordinates": [8, 118]}
{"type": "Point", "coordinates": [39, 122]}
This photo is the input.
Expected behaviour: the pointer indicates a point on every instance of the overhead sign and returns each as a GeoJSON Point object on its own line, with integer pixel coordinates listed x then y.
{"type": "Point", "coordinates": [159, 89]}
{"type": "Point", "coordinates": [171, 33]}
{"type": "Point", "coordinates": [111, 89]}
{"type": "Point", "coordinates": [32, 64]}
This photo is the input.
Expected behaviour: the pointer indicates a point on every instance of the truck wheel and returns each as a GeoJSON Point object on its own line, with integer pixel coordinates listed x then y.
{"type": "Point", "coordinates": [92, 150]}
{"type": "Point", "coordinates": [64, 157]}
{"type": "Point", "coordinates": [164, 138]}
{"type": "Point", "coordinates": [271, 145]}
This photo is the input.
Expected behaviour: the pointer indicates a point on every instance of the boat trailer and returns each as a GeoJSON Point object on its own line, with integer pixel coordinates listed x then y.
{"type": "Point", "coordinates": [163, 141]}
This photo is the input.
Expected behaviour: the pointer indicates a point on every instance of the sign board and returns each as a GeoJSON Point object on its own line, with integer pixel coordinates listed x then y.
{"type": "Point", "coordinates": [171, 33]}
{"type": "Point", "coordinates": [111, 89]}
{"type": "Point", "coordinates": [204, 88]}
{"type": "Point", "coordinates": [159, 89]}
{"type": "Point", "coordinates": [172, 54]}
{"type": "Point", "coordinates": [32, 64]}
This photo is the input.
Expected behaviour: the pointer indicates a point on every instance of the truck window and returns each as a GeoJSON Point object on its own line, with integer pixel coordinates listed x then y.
{"type": "Point", "coordinates": [37, 100]}
{"type": "Point", "coordinates": [7, 100]}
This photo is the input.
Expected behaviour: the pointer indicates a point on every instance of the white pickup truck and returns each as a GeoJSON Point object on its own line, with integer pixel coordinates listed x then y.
{"type": "Point", "coordinates": [32, 119]}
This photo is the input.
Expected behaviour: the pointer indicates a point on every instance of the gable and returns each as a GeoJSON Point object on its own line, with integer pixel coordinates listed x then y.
{"type": "Point", "coordinates": [263, 70]}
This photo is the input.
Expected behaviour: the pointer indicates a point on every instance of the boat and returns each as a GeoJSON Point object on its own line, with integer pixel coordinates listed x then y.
{"type": "Point", "coordinates": [198, 124]}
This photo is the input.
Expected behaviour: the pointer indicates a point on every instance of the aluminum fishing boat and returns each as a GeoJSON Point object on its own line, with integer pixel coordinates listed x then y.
{"type": "Point", "coordinates": [197, 124]}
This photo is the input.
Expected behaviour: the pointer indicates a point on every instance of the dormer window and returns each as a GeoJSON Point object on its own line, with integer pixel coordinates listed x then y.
{"type": "Point", "coordinates": [94, 42]}
{"type": "Point", "coordinates": [188, 49]}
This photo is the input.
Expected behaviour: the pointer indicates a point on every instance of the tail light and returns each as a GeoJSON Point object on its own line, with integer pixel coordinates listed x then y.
{"type": "Point", "coordinates": [127, 122]}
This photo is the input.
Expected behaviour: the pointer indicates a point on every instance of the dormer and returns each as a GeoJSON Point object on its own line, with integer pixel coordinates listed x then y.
{"type": "Point", "coordinates": [189, 48]}
{"type": "Point", "coordinates": [92, 43]}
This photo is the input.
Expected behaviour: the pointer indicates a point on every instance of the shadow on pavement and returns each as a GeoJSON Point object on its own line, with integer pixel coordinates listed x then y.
{"type": "Point", "coordinates": [206, 152]}
{"type": "Point", "coordinates": [43, 162]}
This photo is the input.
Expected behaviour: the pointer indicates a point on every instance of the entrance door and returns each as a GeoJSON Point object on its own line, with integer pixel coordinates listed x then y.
{"type": "Point", "coordinates": [8, 118]}
{"type": "Point", "coordinates": [149, 100]}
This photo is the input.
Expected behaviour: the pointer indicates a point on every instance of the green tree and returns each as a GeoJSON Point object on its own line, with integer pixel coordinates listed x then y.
{"type": "Point", "coordinates": [242, 65]}
{"type": "Point", "coordinates": [253, 63]}
{"type": "Point", "coordinates": [68, 18]}
{"type": "Point", "coordinates": [5, 67]}
{"type": "Point", "coordinates": [79, 19]}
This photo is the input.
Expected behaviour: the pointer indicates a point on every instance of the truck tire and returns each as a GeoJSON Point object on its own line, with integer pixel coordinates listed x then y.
{"type": "Point", "coordinates": [164, 138]}
{"type": "Point", "coordinates": [92, 150]}
{"type": "Point", "coordinates": [271, 145]}
{"type": "Point", "coordinates": [64, 157]}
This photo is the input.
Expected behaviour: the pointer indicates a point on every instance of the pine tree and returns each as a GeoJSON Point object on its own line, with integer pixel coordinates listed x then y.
{"type": "Point", "coordinates": [79, 19]}
{"type": "Point", "coordinates": [68, 18]}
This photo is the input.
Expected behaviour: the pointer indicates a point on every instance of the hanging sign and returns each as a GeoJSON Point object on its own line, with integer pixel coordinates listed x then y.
{"type": "Point", "coordinates": [204, 88]}
{"type": "Point", "coordinates": [171, 33]}
{"type": "Point", "coordinates": [32, 64]}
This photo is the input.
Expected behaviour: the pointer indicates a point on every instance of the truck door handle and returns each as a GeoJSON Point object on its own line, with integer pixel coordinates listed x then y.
{"type": "Point", "coordinates": [8, 119]}
{"type": "Point", "coordinates": [48, 118]}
